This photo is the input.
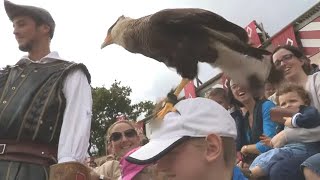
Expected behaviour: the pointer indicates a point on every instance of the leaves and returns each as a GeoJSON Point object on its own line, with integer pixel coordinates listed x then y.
{"type": "Point", "coordinates": [107, 104]}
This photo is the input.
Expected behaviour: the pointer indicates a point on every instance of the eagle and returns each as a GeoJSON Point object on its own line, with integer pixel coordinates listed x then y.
{"type": "Point", "coordinates": [182, 37]}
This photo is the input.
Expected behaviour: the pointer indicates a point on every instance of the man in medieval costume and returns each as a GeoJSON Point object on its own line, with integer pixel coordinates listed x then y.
{"type": "Point", "coordinates": [45, 105]}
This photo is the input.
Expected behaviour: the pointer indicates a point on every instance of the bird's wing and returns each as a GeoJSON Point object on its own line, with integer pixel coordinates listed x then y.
{"type": "Point", "coordinates": [200, 17]}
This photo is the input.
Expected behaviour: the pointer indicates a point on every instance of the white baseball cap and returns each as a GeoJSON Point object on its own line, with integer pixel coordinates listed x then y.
{"type": "Point", "coordinates": [195, 117]}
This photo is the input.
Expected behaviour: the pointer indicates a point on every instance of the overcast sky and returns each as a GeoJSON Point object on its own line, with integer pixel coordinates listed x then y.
{"type": "Point", "coordinates": [81, 26]}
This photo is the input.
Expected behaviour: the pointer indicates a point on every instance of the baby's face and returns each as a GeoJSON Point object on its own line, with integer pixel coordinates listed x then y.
{"type": "Point", "coordinates": [269, 90]}
{"type": "Point", "coordinates": [290, 100]}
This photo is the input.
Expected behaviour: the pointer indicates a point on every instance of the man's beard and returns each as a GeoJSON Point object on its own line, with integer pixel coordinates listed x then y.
{"type": "Point", "coordinates": [26, 47]}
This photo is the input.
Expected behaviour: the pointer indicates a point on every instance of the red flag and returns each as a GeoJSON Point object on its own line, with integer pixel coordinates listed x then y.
{"type": "Point", "coordinates": [309, 37]}
{"type": "Point", "coordinates": [140, 127]}
{"type": "Point", "coordinates": [253, 34]}
{"type": "Point", "coordinates": [189, 90]}
{"type": "Point", "coordinates": [224, 80]}
{"type": "Point", "coordinates": [285, 36]}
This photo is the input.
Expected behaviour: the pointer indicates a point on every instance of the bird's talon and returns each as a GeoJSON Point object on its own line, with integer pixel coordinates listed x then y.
{"type": "Point", "coordinates": [166, 109]}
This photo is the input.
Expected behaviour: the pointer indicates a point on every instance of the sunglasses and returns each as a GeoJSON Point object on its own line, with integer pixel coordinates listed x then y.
{"type": "Point", "coordinates": [284, 58]}
{"type": "Point", "coordinates": [116, 136]}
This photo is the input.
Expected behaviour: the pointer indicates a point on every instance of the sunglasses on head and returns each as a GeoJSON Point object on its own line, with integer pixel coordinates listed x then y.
{"type": "Point", "coordinates": [116, 136]}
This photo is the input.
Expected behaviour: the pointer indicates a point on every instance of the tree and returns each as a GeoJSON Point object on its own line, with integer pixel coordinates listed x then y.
{"type": "Point", "coordinates": [107, 105]}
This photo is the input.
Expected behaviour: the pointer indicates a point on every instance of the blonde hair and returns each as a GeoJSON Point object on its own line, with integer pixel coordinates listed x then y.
{"type": "Point", "coordinates": [290, 87]}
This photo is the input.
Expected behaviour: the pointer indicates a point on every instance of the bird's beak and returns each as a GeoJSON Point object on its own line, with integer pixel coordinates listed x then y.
{"type": "Point", "coordinates": [107, 41]}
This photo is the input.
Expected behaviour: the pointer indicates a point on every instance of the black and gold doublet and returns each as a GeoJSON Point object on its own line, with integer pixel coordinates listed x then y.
{"type": "Point", "coordinates": [32, 106]}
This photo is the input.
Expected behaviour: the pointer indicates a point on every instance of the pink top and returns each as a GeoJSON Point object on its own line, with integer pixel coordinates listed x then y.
{"type": "Point", "coordinates": [130, 170]}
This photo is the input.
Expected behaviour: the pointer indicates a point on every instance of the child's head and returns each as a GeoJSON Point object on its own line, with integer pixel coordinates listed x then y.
{"type": "Point", "coordinates": [269, 89]}
{"type": "Point", "coordinates": [292, 96]}
{"type": "Point", "coordinates": [220, 96]}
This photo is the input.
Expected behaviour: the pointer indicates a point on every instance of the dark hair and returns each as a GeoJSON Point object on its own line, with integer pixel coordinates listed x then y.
{"type": "Point", "coordinates": [233, 100]}
{"type": "Point", "coordinates": [297, 53]}
{"type": "Point", "coordinates": [218, 92]}
{"type": "Point", "coordinates": [40, 22]}
{"type": "Point", "coordinates": [289, 87]}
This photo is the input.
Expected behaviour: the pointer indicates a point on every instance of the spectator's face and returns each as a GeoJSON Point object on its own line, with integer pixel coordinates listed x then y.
{"type": "Point", "coordinates": [269, 90]}
{"type": "Point", "coordinates": [290, 100]}
{"type": "Point", "coordinates": [288, 63]}
{"type": "Point", "coordinates": [240, 93]}
{"type": "Point", "coordinates": [27, 32]}
{"type": "Point", "coordinates": [185, 162]}
{"type": "Point", "coordinates": [123, 138]}
{"type": "Point", "coordinates": [220, 100]}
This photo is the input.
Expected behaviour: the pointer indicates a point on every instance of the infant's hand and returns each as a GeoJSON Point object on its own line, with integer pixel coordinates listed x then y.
{"type": "Point", "coordinates": [266, 140]}
{"type": "Point", "coordinates": [288, 122]}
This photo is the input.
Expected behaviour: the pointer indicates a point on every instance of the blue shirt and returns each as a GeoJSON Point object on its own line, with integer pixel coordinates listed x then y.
{"type": "Point", "coordinates": [237, 174]}
{"type": "Point", "coordinates": [269, 127]}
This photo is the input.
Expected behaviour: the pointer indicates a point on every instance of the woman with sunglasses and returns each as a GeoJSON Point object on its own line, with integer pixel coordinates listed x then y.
{"type": "Point", "coordinates": [121, 137]}
{"type": "Point", "coordinates": [295, 68]}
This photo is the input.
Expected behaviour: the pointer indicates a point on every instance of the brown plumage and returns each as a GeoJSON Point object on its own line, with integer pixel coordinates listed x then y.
{"type": "Point", "coordinates": [181, 38]}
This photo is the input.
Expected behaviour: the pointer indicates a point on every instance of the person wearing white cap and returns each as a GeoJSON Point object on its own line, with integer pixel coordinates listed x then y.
{"type": "Point", "coordinates": [45, 109]}
{"type": "Point", "coordinates": [197, 141]}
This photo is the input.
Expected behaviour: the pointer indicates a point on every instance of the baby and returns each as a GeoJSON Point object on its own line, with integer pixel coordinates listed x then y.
{"type": "Point", "coordinates": [295, 99]}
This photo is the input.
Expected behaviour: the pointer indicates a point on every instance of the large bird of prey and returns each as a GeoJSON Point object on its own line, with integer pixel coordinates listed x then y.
{"type": "Point", "coordinates": [181, 38]}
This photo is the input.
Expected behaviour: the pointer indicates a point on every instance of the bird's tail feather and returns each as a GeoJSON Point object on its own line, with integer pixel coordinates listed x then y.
{"type": "Point", "coordinates": [239, 66]}
{"type": "Point", "coordinates": [233, 42]}
{"type": "Point", "coordinates": [256, 52]}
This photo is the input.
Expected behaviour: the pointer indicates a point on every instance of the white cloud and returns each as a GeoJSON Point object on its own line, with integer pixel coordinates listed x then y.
{"type": "Point", "coordinates": [82, 26]}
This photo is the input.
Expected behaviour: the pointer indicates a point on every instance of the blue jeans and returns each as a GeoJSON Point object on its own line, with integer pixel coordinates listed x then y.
{"type": "Point", "coordinates": [285, 165]}
{"type": "Point", "coordinates": [265, 161]}
{"type": "Point", "coordinates": [313, 163]}
{"type": "Point", "coordinates": [287, 169]}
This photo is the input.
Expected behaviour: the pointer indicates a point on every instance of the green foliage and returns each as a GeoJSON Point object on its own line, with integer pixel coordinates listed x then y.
{"type": "Point", "coordinates": [107, 104]}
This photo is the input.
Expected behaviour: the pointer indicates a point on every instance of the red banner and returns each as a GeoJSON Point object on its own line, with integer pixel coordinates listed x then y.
{"type": "Point", "coordinates": [189, 90]}
{"type": "Point", "coordinates": [309, 36]}
{"type": "Point", "coordinates": [140, 127]}
{"type": "Point", "coordinates": [253, 34]}
{"type": "Point", "coordinates": [224, 80]}
{"type": "Point", "coordinates": [285, 36]}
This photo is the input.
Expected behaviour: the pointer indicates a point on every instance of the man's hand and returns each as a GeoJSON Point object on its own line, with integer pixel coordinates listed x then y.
{"type": "Point", "coordinates": [280, 115]}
